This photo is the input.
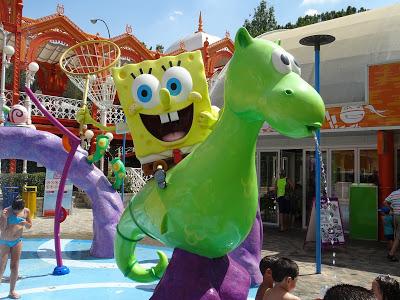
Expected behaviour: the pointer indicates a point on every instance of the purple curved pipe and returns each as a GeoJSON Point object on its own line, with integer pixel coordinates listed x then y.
{"type": "Point", "coordinates": [47, 149]}
{"type": "Point", "coordinates": [193, 277]}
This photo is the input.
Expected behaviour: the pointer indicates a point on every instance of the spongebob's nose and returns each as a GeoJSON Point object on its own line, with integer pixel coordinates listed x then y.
{"type": "Point", "coordinates": [165, 98]}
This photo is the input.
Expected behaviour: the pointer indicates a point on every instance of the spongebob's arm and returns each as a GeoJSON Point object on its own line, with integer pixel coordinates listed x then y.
{"type": "Point", "coordinates": [209, 119]}
{"type": "Point", "coordinates": [83, 117]}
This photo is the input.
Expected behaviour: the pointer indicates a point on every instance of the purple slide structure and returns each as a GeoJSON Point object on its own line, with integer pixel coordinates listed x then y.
{"type": "Point", "coordinates": [47, 149]}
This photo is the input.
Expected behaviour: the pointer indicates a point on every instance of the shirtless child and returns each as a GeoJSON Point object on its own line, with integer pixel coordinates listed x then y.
{"type": "Point", "coordinates": [284, 272]}
{"type": "Point", "coordinates": [12, 223]}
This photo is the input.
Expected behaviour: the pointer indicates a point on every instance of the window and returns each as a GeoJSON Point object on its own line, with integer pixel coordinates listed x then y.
{"type": "Point", "coordinates": [369, 166]}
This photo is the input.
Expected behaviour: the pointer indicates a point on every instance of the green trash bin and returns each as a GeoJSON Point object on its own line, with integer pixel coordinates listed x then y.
{"type": "Point", "coordinates": [364, 211]}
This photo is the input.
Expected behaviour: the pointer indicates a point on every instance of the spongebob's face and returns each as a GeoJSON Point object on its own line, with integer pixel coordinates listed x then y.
{"type": "Point", "coordinates": [162, 100]}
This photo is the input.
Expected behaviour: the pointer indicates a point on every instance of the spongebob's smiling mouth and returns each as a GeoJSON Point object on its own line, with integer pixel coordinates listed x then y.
{"type": "Point", "coordinates": [169, 127]}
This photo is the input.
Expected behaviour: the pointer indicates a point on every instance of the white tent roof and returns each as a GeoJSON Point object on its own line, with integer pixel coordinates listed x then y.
{"type": "Point", "coordinates": [193, 41]}
{"type": "Point", "coordinates": [363, 39]}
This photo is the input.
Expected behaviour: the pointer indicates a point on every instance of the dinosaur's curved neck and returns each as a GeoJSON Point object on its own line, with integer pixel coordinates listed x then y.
{"type": "Point", "coordinates": [235, 136]}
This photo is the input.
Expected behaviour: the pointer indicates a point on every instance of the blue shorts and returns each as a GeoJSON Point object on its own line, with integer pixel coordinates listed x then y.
{"type": "Point", "coordinates": [389, 237]}
{"type": "Point", "coordinates": [10, 244]}
{"type": "Point", "coordinates": [284, 205]}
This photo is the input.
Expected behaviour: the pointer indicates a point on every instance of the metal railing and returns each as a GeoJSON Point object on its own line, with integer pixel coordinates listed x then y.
{"type": "Point", "coordinates": [65, 108]}
{"type": "Point", "coordinates": [136, 178]}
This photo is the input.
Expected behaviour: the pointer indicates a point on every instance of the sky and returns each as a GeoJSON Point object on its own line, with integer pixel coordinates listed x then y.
{"type": "Point", "coordinates": [164, 22]}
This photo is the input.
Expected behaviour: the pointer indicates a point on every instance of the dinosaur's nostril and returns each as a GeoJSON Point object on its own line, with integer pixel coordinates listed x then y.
{"type": "Point", "coordinates": [288, 92]}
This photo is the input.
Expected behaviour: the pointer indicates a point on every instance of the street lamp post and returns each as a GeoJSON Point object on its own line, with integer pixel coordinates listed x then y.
{"type": "Point", "coordinates": [33, 67]}
{"type": "Point", "coordinates": [316, 41]}
{"type": "Point", "coordinates": [8, 52]}
{"type": "Point", "coordinates": [103, 111]}
{"type": "Point", "coordinates": [94, 21]}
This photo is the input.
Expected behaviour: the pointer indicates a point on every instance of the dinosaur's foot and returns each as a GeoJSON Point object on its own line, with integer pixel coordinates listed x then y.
{"type": "Point", "coordinates": [193, 277]}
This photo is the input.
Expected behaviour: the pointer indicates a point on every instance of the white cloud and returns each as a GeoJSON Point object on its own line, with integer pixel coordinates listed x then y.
{"type": "Point", "coordinates": [311, 12]}
{"type": "Point", "coordinates": [172, 17]}
{"type": "Point", "coordinates": [312, 2]}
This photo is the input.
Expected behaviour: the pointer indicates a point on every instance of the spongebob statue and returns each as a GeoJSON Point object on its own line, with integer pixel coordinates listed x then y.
{"type": "Point", "coordinates": [167, 108]}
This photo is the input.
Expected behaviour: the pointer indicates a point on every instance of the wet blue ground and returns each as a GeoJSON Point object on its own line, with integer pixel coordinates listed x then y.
{"type": "Point", "coordinates": [90, 278]}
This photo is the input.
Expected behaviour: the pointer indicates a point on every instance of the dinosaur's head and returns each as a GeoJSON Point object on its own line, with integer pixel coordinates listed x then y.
{"type": "Point", "coordinates": [263, 83]}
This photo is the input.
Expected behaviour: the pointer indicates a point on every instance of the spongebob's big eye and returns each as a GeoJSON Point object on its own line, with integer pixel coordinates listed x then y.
{"type": "Point", "coordinates": [281, 61]}
{"type": "Point", "coordinates": [178, 82]}
{"type": "Point", "coordinates": [145, 90]}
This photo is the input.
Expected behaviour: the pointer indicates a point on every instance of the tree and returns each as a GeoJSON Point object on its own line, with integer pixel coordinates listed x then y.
{"type": "Point", "coordinates": [329, 15]}
{"type": "Point", "coordinates": [263, 20]}
{"type": "Point", "coordinates": [160, 48]}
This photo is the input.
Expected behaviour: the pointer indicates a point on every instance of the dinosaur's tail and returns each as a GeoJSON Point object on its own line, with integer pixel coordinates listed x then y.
{"type": "Point", "coordinates": [128, 234]}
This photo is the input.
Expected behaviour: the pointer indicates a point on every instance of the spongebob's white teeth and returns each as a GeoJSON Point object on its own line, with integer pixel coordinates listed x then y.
{"type": "Point", "coordinates": [174, 116]}
{"type": "Point", "coordinates": [164, 118]}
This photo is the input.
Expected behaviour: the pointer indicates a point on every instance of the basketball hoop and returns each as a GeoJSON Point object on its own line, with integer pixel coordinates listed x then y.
{"type": "Point", "coordinates": [88, 66]}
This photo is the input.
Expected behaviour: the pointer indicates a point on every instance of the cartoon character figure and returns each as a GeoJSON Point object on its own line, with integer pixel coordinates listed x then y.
{"type": "Point", "coordinates": [352, 115]}
{"type": "Point", "coordinates": [119, 172]}
{"type": "Point", "coordinates": [210, 204]}
{"type": "Point", "coordinates": [167, 108]}
{"type": "Point", "coordinates": [102, 144]}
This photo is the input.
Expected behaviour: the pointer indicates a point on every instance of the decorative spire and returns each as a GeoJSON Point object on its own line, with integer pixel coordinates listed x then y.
{"type": "Point", "coordinates": [60, 9]}
{"type": "Point", "coordinates": [200, 28]}
{"type": "Point", "coordinates": [227, 34]}
{"type": "Point", "coordinates": [128, 29]}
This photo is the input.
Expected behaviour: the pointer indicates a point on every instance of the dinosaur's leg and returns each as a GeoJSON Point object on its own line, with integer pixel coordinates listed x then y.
{"type": "Point", "coordinates": [128, 234]}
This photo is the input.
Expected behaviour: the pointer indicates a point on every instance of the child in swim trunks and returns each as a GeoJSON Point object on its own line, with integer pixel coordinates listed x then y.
{"type": "Point", "coordinates": [13, 220]}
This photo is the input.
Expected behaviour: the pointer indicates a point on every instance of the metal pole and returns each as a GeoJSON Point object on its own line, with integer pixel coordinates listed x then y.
{"type": "Point", "coordinates": [103, 121]}
{"type": "Point", "coordinates": [317, 177]}
{"type": "Point", "coordinates": [123, 160]}
{"type": "Point", "coordinates": [3, 76]}
{"type": "Point", "coordinates": [27, 103]}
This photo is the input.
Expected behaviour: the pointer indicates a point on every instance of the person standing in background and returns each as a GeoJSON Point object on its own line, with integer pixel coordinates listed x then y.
{"type": "Point", "coordinates": [282, 185]}
{"type": "Point", "coordinates": [393, 200]}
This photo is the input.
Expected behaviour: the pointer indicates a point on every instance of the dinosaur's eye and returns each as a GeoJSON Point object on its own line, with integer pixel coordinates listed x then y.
{"type": "Point", "coordinates": [281, 61]}
{"type": "Point", "coordinates": [178, 82]}
{"type": "Point", "coordinates": [145, 90]}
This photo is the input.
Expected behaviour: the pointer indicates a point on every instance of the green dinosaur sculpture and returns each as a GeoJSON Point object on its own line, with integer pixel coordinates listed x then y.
{"type": "Point", "coordinates": [212, 195]}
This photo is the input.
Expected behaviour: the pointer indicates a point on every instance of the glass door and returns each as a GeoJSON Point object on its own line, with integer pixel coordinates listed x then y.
{"type": "Point", "coordinates": [268, 170]}
{"type": "Point", "coordinates": [343, 175]}
{"type": "Point", "coordinates": [292, 165]}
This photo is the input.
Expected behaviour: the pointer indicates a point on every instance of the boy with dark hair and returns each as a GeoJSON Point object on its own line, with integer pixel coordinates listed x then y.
{"type": "Point", "coordinates": [284, 272]}
{"type": "Point", "coordinates": [348, 292]}
{"type": "Point", "coordinates": [266, 265]}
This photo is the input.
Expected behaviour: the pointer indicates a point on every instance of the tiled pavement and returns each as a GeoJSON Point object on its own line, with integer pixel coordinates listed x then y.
{"type": "Point", "coordinates": [356, 263]}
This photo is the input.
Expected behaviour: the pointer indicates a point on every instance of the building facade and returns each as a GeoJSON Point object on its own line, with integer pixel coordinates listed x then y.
{"type": "Point", "coordinates": [43, 40]}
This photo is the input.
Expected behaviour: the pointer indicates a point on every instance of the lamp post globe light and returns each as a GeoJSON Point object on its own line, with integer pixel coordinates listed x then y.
{"type": "Point", "coordinates": [33, 67]}
{"type": "Point", "coordinates": [317, 41]}
{"type": "Point", "coordinates": [7, 52]}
